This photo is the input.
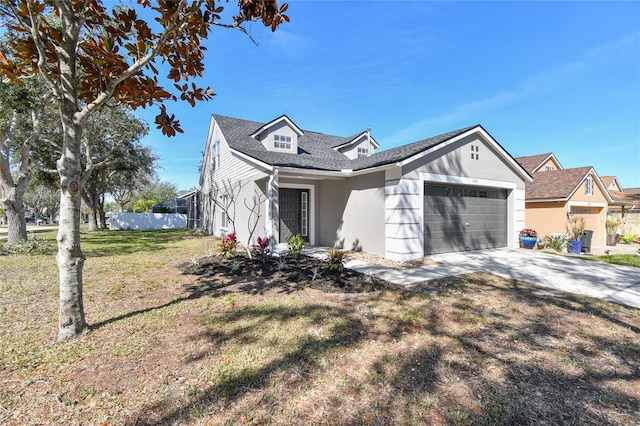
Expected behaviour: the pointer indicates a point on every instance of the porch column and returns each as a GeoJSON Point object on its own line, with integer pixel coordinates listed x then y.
{"type": "Point", "coordinates": [272, 209]}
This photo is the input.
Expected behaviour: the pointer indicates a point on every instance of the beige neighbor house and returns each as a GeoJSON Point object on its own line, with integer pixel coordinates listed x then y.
{"type": "Point", "coordinates": [457, 191]}
{"type": "Point", "coordinates": [625, 207]}
{"type": "Point", "coordinates": [556, 194]}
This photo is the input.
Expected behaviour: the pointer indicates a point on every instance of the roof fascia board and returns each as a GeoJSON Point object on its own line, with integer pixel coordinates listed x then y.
{"type": "Point", "coordinates": [486, 136]}
{"type": "Point", "coordinates": [353, 140]}
{"type": "Point", "coordinates": [255, 161]}
{"type": "Point", "coordinates": [277, 120]}
{"type": "Point", "coordinates": [212, 126]}
{"type": "Point", "coordinates": [344, 173]}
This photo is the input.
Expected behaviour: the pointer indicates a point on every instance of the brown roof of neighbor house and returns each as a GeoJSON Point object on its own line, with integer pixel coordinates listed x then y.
{"type": "Point", "coordinates": [624, 198]}
{"type": "Point", "coordinates": [631, 190]}
{"type": "Point", "coordinates": [607, 180]}
{"type": "Point", "coordinates": [532, 162]}
{"type": "Point", "coordinates": [555, 184]}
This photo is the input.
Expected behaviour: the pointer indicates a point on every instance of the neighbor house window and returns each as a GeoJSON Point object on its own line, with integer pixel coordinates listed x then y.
{"type": "Point", "coordinates": [548, 167]}
{"type": "Point", "coordinates": [588, 186]}
{"type": "Point", "coordinates": [282, 142]}
{"type": "Point", "coordinates": [363, 152]}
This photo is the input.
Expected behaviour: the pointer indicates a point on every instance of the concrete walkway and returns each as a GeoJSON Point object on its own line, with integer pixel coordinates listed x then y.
{"type": "Point", "coordinates": [620, 284]}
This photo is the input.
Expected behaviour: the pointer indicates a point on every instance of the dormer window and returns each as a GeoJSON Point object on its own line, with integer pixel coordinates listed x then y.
{"type": "Point", "coordinates": [548, 167]}
{"type": "Point", "coordinates": [282, 142]}
{"type": "Point", "coordinates": [363, 152]}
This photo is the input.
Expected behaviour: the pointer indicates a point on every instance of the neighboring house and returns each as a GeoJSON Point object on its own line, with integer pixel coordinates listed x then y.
{"type": "Point", "coordinates": [625, 207]}
{"type": "Point", "coordinates": [457, 191]}
{"type": "Point", "coordinates": [556, 194]}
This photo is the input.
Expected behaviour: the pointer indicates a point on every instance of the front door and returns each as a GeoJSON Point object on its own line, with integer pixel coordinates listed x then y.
{"type": "Point", "coordinates": [294, 213]}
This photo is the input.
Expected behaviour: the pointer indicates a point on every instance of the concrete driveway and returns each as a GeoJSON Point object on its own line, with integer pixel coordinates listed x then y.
{"type": "Point", "coordinates": [620, 284]}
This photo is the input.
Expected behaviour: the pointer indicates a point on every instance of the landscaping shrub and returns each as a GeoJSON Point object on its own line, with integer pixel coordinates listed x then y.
{"type": "Point", "coordinates": [226, 247]}
{"type": "Point", "coordinates": [558, 242]}
{"type": "Point", "coordinates": [335, 261]}
{"type": "Point", "coordinates": [262, 249]}
{"type": "Point", "coordinates": [627, 239]}
{"type": "Point", "coordinates": [295, 244]}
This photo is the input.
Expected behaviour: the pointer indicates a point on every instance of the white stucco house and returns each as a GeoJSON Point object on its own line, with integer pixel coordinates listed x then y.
{"type": "Point", "coordinates": [457, 191]}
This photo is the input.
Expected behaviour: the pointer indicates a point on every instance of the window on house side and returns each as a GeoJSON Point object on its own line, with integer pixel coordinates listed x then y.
{"type": "Point", "coordinates": [548, 167]}
{"type": "Point", "coordinates": [363, 152]}
{"type": "Point", "coordinates": [224, 220]}
{"type": "Point", "coordinates": [282, 142]}
{"type": "Point", "coordinates": [588, 186]}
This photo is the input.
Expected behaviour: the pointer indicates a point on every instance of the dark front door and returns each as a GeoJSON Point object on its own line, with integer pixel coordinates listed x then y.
{"type": "Point", "coordinates": [294, 213]}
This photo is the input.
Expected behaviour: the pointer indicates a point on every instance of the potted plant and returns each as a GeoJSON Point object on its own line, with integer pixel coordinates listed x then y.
{"type": "Point", "coordinates": [528, 238]}
{"type": "Point", "coordinates": [612, 231]}
{"type": "Point", "coordinates": [576, 229]}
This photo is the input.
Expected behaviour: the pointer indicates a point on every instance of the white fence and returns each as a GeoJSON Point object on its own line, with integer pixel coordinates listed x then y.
{"type": "Point", "coordinates": [120, 221]}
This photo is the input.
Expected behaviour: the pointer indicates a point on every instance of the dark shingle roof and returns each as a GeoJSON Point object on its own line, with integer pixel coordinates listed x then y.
{"type": "Point", "coordinates": [555, 184]}
{"type": "Point", "coordinates": [315, 150]}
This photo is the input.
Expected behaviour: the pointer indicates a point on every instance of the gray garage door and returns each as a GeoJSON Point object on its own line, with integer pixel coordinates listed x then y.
{"type": "Point", "coordinates": [459, 218]}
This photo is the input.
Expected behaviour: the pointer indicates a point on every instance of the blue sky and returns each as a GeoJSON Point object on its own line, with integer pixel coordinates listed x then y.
{"type": "Point", "coordinates": [561, 77]}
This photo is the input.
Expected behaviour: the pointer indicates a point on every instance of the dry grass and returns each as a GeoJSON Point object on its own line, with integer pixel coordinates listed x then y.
{"type": "Point", "coordinates": [172, 348]}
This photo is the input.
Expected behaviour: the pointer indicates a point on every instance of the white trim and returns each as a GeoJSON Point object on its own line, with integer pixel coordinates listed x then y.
{"type": "Point", "coordinates": [357, 138]}
{"type": "Point", "coordinates": [550, 156]}
{"type": "Point", "coordinates": [251, 159]}
{"type": "Point", "coordinates": [311, 207]}
{"type": "Point", "coordinates": [462, 180]}
{"type": "Point", "coordinates": [585, 204]}
{"type": "Point", "coordinates": [270, 124]}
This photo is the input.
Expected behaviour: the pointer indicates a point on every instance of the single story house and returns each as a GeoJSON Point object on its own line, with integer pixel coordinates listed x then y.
{"type": "Point", "coordinates": [456, 191]}
{"type": "Point", "coordinates": [556, 194]}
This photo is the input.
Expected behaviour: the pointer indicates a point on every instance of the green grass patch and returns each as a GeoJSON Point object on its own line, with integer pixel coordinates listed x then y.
{"type": "Point", "coordinates": [619, 259]}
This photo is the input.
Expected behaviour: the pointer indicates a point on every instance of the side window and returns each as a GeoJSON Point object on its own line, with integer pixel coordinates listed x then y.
{"type": "Point", "coordinates": [224, 220]}
{"type": "Point", "coordinates": [588, 186]}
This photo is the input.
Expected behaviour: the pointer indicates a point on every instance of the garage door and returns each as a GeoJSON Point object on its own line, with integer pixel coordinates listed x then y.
{"type": "Point", "coordinates": [459, 218]}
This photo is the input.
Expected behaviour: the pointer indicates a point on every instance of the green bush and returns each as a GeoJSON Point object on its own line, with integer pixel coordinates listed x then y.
{"type": "Point", "coordinates": [628, 238]}
{"type": "Point", "coordinates": [295, 244]}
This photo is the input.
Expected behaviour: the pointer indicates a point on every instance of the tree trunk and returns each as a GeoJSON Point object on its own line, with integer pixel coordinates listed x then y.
{"type": "Point", "coordinates": [70, 261]}
{"type": "Point", "coordinates": [15, 210]}
{"type": "Point", "coordinates": [17, 225]}
{"type": "Point", "coordinates": [90, 199]}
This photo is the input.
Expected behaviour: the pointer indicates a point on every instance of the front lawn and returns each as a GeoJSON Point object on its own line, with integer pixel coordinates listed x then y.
{"type": "Point", "coordinates": [182, 337]}
{"type": "Point", "coordinates": [619, 259]}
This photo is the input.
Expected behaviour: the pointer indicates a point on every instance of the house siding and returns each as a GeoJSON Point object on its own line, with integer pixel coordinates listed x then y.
{"type": "Point", "coordinates": [547, 218]}
{"type": "Point", "coordinates": [230, 169]}
{"type": "Point", "coordinates": [351, 213]}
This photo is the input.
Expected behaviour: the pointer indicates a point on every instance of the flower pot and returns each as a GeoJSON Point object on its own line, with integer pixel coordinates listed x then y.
{"type": "Point", "coordinates": [612, 240]}
{"type": "Point", "coordinates": [528, 242]}
{"type": "Point", "coordinates": [574, 246]}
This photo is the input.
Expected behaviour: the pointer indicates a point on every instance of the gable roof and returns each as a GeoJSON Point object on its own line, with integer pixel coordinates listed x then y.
{"type": "Point", "coordinates": [560, 185]}
{"type": "Point", "coordinates": [315, 150]}
{"type": "Point", "coordinates": [270, 124]}
{"type": "Point", "coordinates": [532, 163]}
